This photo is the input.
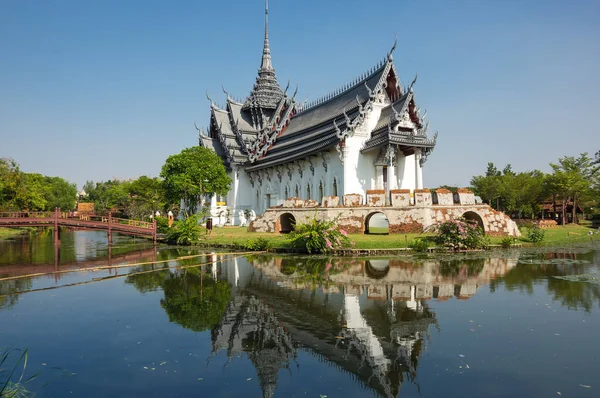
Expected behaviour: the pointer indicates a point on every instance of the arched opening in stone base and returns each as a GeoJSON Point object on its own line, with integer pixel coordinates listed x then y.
{"type": "Point", "coordinates": [472, 216]}
{"type": "Point", "coordinates": [377, 269]}
{"type": "Point", "coordinates": [377, 224]}
{"type": "Point", "coordinates": [285, 223]}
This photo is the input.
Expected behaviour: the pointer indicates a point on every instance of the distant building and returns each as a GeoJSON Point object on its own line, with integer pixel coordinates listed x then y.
{"type": "Point", "coordinates": [368, 134]}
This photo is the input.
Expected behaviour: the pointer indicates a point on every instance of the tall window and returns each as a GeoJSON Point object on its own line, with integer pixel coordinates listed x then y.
{"type": "Point", "coordinates": [320, 191]}
{"type": "Point", "coordinates": [335, 192]}
{"type": "Point", "coordinates": [286, 192]}
{"type": "Point", "coordinates": [297, 191]}
{"type": "Point", "coordinates": [307, 191]}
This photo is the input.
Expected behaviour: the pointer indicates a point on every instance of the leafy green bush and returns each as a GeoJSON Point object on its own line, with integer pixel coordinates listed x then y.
{"type": "Point", "coordinates": [420, 244]}
{"type": "Point", "coordinates": [185, 232]}
{"type": "Point", "coordinates": [318, 236]}
{"type": "Point", "coordinates": [460, 234]}
{"type": "Point", "coordinates": [507, 242]}
{"type": "Point", "coordinates": [258, 244]}
{"type": "Point", "coordinates": [535, 234]}
{"type": "Point", "coordinates": [162, 225]}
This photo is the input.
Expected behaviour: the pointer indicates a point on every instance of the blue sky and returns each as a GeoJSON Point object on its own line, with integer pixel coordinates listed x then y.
{"type": "Point", "coordinates": [93, 90]}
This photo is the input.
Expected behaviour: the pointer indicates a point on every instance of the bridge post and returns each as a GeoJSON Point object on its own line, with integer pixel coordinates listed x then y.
{"type": "Point", "coordinates": [154, 230]}
{"type": "Point", "coordinates": [56, 229]}
{"type": "Point", "coordinates": [109, 228]}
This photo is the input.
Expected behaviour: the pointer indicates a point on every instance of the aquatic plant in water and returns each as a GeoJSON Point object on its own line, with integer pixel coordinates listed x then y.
{"type": "Point", "coordinates": [589, 278]}
{"type": "Point", "coordinates": [9, 387]}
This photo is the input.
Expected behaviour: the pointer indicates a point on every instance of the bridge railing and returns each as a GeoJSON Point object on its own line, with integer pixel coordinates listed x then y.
{"type": "Point", "coordinates": [82, 217]}
{"type": "Point", "coordinates": [27, 214]}
{"type": "Point", "coordinates": [132, 223]}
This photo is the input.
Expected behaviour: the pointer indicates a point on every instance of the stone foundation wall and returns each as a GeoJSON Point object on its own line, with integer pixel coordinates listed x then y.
{"type": "Point", "coordinates": [353, 200]}
{"type": "Point", "coordinates": [401, 219]}
{"type": "Point", "coordinates": [400, 197]}
{"type": "Point", "coordinates": [444, 197]}
{"type": "Point", "coordinates": [423, 198]}
{"type": "Point", "coordinates": [375, 198]}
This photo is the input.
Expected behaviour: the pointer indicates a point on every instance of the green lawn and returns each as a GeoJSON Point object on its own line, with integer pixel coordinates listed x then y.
{"type": "Point", "coordinates": [239, 235]}
{"type": "Point", "coordinates": [560, 235]}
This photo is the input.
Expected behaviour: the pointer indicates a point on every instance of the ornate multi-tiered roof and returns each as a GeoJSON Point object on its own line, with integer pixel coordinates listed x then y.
{"type": "Point", "coordinates": [270, 128]}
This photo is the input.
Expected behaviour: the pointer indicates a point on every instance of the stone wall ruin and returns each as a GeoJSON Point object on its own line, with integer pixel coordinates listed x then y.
{"type": "Point", "coordinates": [405, 214]}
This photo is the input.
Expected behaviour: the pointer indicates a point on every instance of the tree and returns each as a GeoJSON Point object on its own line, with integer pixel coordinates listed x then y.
{"type": "Point", "coordinates": [146, 196]}
{"type": "Point", "coordinates": [59, 193]}
{"type": "Point", "coordinates": [191, 175]}
{"type": "Point", "coordinates": [572, 179]}
{"type": "Point", "coordinates": [109, 195]}
{"type": "Point", "coordinates": [492, 170]}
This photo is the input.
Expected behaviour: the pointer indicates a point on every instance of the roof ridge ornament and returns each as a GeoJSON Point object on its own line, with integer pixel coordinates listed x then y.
{"type": "Point", "coordinates": [414, 81]}
{"type": "Point", "coordinates": [390, 57]}
{"type": "Point", "coordinates": [212, 104]}
{"type": "Point", "coordinates": [226, 93]}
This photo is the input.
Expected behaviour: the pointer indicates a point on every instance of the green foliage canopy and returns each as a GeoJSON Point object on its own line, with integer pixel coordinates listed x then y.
{"type": "Point", "coordinates": [33, 191]}
{"type": "Point", "coordinates": [192, 174]}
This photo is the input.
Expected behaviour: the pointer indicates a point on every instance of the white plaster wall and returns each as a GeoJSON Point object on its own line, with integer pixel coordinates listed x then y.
{"type": "Point", "coordinates": [247, 197]}
{"type": "Point", "coordinates": [408, 176]}
{"type": "Point", "coordinates": [359, 169]}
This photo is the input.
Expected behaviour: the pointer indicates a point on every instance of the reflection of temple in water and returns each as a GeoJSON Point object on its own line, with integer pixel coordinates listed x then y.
{"type": "Point", "coordinates": [371, 321]}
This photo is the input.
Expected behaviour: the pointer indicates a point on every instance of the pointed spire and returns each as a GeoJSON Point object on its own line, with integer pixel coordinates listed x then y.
{"type": "Point", "coordinates": [266, 92]}
{"type": "Point", "coordinates": [266, 58]}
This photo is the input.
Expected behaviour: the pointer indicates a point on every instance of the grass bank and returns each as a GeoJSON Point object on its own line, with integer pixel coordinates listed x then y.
{"type": "Point", "coordinates": [7, 233]}
{"type": "Point", "coordinates": [238, 236]}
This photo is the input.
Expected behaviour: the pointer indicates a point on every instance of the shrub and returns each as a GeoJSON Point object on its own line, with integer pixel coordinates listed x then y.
{"type": "Point", "coordinates": [460, 234]}
{"type": "Point", "coordinates": [258, 244]}
{"type": "Point", "coordinates": [318, 236]}
{"type": "Point", "coordinates": [162, 225]}
{"type": "Point", "coordinates": [419, 245]}
{"type": "Point", "coordinates": [535, 234]}
{"type": "Point", "coordinates": [507, 242]}
{"type": "Point", "coordinates": [185, 232]}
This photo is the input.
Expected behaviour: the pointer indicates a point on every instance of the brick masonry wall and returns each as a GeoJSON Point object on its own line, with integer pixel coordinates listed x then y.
{"type": "Point", "coordinates": [401, 220]}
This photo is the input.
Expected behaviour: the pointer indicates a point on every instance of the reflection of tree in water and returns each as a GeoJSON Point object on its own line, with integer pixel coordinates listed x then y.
{"type": "Point", "coordinates": [9, 287]}
{"type": "Point", "coordinates": [462, 268]}
{"type": "Point", "coordinates": [534, 269]}
{"type": "Point", "coordinates": [193, 300]}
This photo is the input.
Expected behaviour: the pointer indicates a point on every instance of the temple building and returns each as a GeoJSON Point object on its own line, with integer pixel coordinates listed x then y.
{"type": "Point", "coordinates": [367, 135]}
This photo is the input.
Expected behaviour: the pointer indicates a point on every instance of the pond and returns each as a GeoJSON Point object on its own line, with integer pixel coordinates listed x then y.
{"type": "Point", "coordinates": [182, 322]}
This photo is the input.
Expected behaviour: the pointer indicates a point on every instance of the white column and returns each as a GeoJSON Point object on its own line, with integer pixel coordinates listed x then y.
{"type": "Point", "coordinates": [378, 177]}
{"type": "Point", "coordinates": [391, 177]}
{"type": "Point", "coordinates": [235, 195]}
{"type": "Point", "coordinates": [418, 170]}
{"type": "Point", "coordinates": [400, 169]}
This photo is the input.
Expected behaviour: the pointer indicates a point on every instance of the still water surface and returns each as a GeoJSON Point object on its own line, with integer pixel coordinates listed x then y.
{"type": "Point", "coordinates": [499, 324]}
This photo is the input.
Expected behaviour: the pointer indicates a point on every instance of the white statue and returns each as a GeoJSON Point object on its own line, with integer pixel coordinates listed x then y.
{"type": "Point", "coordinates": [242, 218]}
{"type": "Point", "coordinates": [252, 215]}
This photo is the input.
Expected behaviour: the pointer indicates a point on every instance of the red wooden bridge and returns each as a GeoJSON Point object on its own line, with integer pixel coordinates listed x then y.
{"type": "Point", "coordinates": [58, 219]}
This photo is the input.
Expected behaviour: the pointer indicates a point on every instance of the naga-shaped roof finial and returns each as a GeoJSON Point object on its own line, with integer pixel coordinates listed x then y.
{"type": "Point", "coordinates": [226, 93]}
{"type": "Point", "coordinates": [413, 82]}
{"type": "Point", "coordinates": [393, 47]}
{"type": "Point", "coordinates": [212, 104]}
{"type": "Point", "coordinates": [286, 88]}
